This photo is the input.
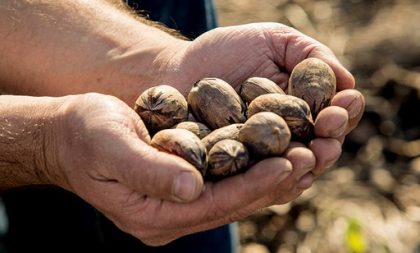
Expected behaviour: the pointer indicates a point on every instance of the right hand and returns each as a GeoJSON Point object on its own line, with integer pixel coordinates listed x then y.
{"type": "Point", "coordinates": [102, 153]}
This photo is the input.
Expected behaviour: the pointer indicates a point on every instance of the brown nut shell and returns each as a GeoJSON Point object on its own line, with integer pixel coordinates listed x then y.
{"type": "Point", "coordinates": [227, 158]}
{"type": "Point", "coordinates": [184, 144]}
{"type": "Point", "coordinates": [196, 128]}
{"type": "Point", "coordinates": [215, 103]}
{"type": "Point", "coordinates": [265, 134]}
{"type": "Point", "coordinates": [257, 86]}
{"type": "Point", "coordinates": [161, 107]}
{"type": "Point", "coordinates": [314, 81]}
{"type": "Point", "coordinates": [293, 110]}
{"type": "Point", "coordinates": [226, 132]}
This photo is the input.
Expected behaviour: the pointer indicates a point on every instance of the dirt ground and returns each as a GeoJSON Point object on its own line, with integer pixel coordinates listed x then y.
{"type": "Point", "coordinates": [370, 201]}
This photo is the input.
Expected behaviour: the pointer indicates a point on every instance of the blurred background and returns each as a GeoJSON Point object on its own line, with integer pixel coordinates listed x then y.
{"type": "Point", "coordinates": [370, 200]}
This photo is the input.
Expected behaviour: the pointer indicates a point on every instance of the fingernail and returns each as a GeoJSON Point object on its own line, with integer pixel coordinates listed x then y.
{"type": "Point", "coordinates": [354, 107]}
{"type": "Point", "coordinates": [185, 185]}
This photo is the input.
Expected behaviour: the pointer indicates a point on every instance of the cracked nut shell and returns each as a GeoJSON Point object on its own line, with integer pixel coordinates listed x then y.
{"type": "Point", "coordinates": [161, 107]}
{"type": "Point", "coordinates": [227, 158]}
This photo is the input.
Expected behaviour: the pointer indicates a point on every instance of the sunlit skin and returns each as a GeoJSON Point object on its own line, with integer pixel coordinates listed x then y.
{"type": "Point", "coordinates": [97, 147]}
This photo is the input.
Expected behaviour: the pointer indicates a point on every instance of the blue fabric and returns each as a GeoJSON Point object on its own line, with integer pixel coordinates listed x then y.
{"type": "Point", "coordinates": [190, 17]}
{"type": "Point", "coordinates": [218, 240]}
{"type": "Point", "coordinates": [50, 219]}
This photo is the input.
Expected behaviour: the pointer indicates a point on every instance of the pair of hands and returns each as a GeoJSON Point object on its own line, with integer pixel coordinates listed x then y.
{"type": "Point", "coordinates": [104, 155]}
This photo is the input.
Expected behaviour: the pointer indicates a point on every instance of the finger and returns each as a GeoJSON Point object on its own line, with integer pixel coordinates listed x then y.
{"type": "Point", "coordinates": [331, 122]}
{"type": "Point", "coordinates": [354, 102]}
{"type": "Point", "coordinates": [222, 199]}
{"type": "Point", "coordinates": [302, 159]}
{"type": "Point", "coordinates": [306, 181]}
{"type": "Point", "coordinates": [283, 189]}
{"type": "Point", "coordinates": [226, 201]}
{"type": "Point", "coordinates": [241, 213]}
{"type": "Point", "coordinates": [148, 171]}
{"type": "Point", "coordinates": [327, 151]}
{"type": "Point", "coordinates": [230, 200]}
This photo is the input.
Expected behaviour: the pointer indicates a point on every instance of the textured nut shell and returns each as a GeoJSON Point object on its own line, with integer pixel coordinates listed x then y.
{"type": "Point", "coordinates": [257, 86]}
{"type": "Point", "coordinates": [293, 110]}
{"type": "Point", "coordinates": [182, 143]}
{"type": "Point", "coordinates": [161, 107]}
{"type": "Point", "coordinates": [227, 157]}
{"type": "Point", "coordinates": [314, 81]}
{"type": "Point", "coordinates": [196, 128]}
{"type": "Point", "coordinates": [265, 134]}
{"type": "Point", "coordinates": [216, 103]}
{"type": "Point", "coordinates": [227, 132]}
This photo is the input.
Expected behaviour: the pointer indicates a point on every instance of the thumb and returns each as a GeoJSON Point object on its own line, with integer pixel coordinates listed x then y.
{"type": "Point", "coordinates": [159, 175]}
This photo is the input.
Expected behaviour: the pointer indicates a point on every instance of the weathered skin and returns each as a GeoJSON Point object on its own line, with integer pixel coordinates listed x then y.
{"type": "Point", "coordinates": [257, 86]}
{"type": "Point", "coordinates": [182, 143]}
{"type": "Point", "coordinates": [227, 132]}
{"type": "Point", "coordinates": [265, 134]}
{"type": "Point", "coordinates": [161, 107]}
{"type": "Point", "coordinates": [227, 158]}
{"type": "Point", "coordinates": [293, 110]}
{"type": "Point", "coordinates": [216, 103]}
{"type": "Point", "coordinates": [196, 128]}
{"type": "Point", "coordinates": [314, 81]}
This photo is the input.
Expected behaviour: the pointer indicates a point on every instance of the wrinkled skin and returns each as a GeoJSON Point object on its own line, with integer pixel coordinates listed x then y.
{"type": "Point", "coordinates": [132, 183]}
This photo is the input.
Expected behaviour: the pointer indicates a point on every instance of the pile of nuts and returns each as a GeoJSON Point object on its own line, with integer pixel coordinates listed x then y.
{"type": "Point", "coordinates": [223, 133]}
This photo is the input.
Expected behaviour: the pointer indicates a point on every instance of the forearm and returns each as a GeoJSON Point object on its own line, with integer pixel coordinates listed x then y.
{"type": "Point", "coordinates": [52, 47]}
{"type": "Point", "coordinates": [26, 132]}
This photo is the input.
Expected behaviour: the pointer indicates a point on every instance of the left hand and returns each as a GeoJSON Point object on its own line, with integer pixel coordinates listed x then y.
{"type": "Point", "coordinates": [272, 50]}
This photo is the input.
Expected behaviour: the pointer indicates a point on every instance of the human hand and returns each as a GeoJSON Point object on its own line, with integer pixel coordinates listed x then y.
{"type": "Point", "coordinates": [101, 153]}
{"type": "Point", "coordinates": [272, 50]}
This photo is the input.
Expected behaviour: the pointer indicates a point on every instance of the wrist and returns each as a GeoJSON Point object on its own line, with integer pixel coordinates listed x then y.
{"type": "Point", "coordinates": [27, 140]}
{"type": "Point", "coordinates": [138, 69]}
